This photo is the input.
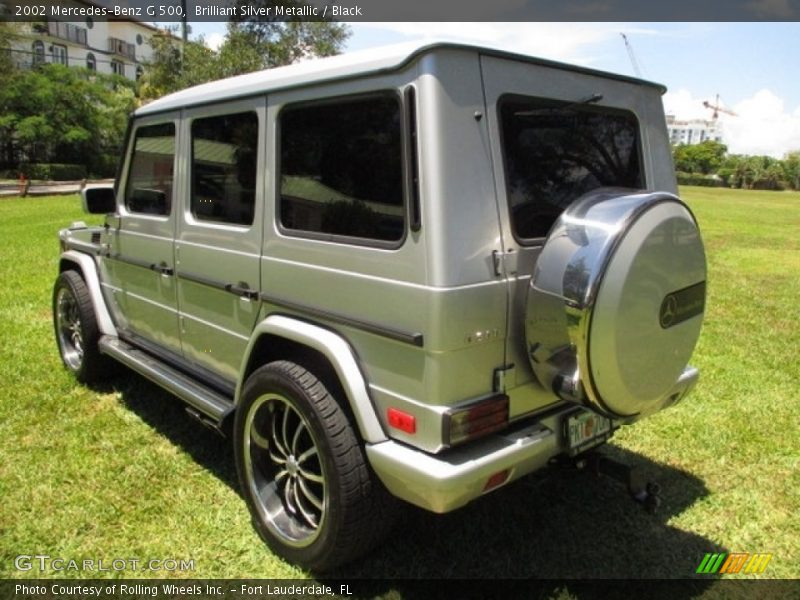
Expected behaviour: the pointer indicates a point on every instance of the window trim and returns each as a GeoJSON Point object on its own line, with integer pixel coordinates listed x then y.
{"type": "Point", "coordinates": [131, 152]}
{"type": "Point", "coordinates": [189, 214]}
{"type": "Point", "coordinates": [397, 95]}
{"type": "Point", "coordinates": [59, 51]}
{"type": "Point", "coordinates": [510, 97]}
{"type": "Point", "coordinates": [120, 67]}
{"type": "Point", "coordinates": [38, 53]}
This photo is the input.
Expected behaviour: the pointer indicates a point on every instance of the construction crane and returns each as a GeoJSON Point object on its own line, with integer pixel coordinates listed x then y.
{"type": "Point", "coordinates": [718, 108]}
{"type": "Point", "coordinates": [632, 56]}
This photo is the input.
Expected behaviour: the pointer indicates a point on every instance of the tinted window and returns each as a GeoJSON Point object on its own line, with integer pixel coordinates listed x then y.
{"type": "Point", "coordinates": [224, 168]}
{"type": "Point", "coordinates": [150, 175]}
{"type": "Point", "coordinates": [341, 169]}
{"type": "Point", "coordinates": [557, 151]}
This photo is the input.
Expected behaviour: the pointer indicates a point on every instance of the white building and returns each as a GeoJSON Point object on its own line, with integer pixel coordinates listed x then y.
{"type": "Point", "coordinates": [99, 44]}
{"type": "Point", "coordinates": [693, 131]}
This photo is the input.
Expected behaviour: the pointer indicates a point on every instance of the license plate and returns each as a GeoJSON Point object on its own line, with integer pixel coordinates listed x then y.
{"type": "Point", "coordinates": [585, 429]}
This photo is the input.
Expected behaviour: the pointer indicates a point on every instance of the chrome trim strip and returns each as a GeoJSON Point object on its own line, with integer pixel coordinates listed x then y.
{"type": "Point", "coordinates": [232, 288]}
{"type": "Point", "coordinates": [413, 338]}
{"type": "Point", "coordinates": [131, 261]}
{"type": "Point", "coordinates": [395, 282]}
{"type": "Point", "coordinates": [181, 242]}
{"type": "Point", "coordinates": [207, 281]}
{"type": "Point", "coordinates": [150, 301]}
{"type": "Point", "coordinates": [83, 246]}
{"type": "Point", "coordinates": [144, 235]}
{"type": "Point", "coordinates": [213, 326]}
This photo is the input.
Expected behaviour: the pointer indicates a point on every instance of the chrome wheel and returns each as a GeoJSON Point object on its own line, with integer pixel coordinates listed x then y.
{"type": "Point", "coordinates": [69, 329]}
{"type": "Point", "coordinates": [303, 470]}
{"type": "Point", "coordinates": [284, 470]}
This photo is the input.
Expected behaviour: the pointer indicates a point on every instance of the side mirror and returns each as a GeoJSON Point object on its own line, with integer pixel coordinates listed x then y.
{"type": "Point", "coordinates": [99, 200]}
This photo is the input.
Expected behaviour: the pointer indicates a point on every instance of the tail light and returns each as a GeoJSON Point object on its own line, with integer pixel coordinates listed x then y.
{"type": "Point", "coordinates": [475, 420]}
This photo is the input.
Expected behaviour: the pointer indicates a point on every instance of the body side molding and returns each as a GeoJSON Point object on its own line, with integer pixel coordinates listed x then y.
{"type": "Point", "coordinates": [340, 355]}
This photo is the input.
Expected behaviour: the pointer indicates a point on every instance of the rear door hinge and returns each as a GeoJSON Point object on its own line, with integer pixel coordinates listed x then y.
{"type": "Point", "coordinates": [505, 263]}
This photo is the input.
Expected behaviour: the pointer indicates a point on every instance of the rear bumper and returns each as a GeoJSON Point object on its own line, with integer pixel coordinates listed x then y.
{"type": "Point", "coordinates": [444, 482]}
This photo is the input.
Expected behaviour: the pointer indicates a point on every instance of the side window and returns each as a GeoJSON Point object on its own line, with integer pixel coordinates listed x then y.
{"type": "Point", "coordinates": [341, 167]}
{"type": "Point", "coordinates": [118, 68]}
{"type": "Point", "coordinates": [150, 175]}
{"type": "Point", "coordinates": [224, 150]}
{"type": "Point", "coordinates": [555, 152]}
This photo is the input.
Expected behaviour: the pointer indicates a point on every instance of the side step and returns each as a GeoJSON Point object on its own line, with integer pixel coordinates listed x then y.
{"type": "Point", "coordinates": [209, 403]}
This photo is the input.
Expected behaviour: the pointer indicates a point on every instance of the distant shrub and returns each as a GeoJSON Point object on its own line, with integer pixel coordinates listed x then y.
{"type": "Point", "coordinates": [699, 179]}
{"type": "Point", "coordinates": [769, 185]}
{"type": "Point", "coordinates": [53, 171]}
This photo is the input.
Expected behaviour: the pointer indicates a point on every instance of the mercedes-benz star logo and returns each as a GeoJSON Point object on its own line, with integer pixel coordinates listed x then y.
{"type": "Point", "coordinates": [669, 308]}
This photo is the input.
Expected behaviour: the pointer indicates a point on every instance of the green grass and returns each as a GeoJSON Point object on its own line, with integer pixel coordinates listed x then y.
{"type": "Point", "coordinates": [121, 471]}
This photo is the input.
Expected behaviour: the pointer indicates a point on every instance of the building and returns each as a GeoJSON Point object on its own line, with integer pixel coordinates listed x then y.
{"type": "Point", "coordinates": [97, 43]}
{"type": "Point", "coordinates": [693, 131]}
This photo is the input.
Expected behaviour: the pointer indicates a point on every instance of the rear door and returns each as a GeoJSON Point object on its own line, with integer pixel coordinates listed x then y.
{"type": "Point", "coordinates": [219, 233]}
{"type": "Point", "coordinates": [556, 134]}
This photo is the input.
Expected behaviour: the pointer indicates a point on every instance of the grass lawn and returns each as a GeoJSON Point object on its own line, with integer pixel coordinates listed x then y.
{"type": "Point", "coordinates": [122, 472]}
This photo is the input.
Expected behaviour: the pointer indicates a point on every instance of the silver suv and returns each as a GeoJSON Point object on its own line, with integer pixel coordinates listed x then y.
{"type": "Point", "coordinates": [415, 274]}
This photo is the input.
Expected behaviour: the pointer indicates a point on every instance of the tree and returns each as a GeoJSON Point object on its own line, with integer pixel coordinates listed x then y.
{"type": "Point", "coordinates": [249, 46]}
{"type": "Point", "coordinates": [282, 42]}
{"type": "Point", "coordinates": [791, 169]}
{"type": "Point", "coordinates": [705, 157]}
{"type": "Point", "coordinates": [7, 38]}
{"type": "Point", "coordinates": [165, 72]}
{"type": "Point", "coordinates": [63, 114]}
{"type": "Point", "coordinates": [239, 53]}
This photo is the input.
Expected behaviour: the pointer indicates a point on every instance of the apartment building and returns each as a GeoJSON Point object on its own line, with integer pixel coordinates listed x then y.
{"type": "Point", "coordinates": [693, 131]}
{"type": "Point", "coordinates": [98, 43]}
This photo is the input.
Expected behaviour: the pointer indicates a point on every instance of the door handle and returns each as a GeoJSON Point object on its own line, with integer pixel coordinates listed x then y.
{"type": "Point", "coordinates": [162, 268]}
{"type": "Point", "coordinates": [242, 289]}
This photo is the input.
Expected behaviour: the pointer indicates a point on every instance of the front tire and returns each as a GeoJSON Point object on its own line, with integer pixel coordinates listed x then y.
{"type": "Point", "coordinates": [76, 329]}
{"type": "Point", "coordinates": [305, 478]}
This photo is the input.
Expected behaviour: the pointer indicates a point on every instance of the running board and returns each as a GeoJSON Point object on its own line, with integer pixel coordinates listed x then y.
{"type": "Point", "coordinates": [204, 400]}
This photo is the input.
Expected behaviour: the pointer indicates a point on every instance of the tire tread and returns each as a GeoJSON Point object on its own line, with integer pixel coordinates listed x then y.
{"type": "Point", "coordinates": [367, 509]}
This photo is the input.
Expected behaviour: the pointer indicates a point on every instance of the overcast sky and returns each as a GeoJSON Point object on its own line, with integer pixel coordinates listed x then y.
{"type": "Point", "coordinates": [752, 66]}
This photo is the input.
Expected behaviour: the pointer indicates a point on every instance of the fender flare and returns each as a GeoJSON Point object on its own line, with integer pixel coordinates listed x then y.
{"type": "Point", "coordinates": [88, 269]}
{"type": "Point", "coordinates": [341, 356]}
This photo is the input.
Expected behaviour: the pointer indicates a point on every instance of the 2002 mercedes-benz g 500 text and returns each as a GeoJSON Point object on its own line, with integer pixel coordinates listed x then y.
{"type": "Point", "coordinates": [412, 273]}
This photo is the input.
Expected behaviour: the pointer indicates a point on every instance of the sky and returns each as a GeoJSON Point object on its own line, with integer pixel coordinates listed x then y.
{"type": "Point", "coordinates": [752, 66]}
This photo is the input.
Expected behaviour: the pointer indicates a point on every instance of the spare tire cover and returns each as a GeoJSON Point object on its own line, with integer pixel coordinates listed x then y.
{"type": "Point", "coordinates": [616, 301]}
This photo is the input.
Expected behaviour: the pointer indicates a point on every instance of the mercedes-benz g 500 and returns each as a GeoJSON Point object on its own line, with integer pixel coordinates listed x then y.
{"type": "Point", "coordinates": [413, 274]}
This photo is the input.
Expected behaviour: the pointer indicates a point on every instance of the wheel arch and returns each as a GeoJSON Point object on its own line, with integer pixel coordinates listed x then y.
{"type": "Point", "coordinates": [84, 264]}
{"type": "Point", "coordinates": [323, 352]}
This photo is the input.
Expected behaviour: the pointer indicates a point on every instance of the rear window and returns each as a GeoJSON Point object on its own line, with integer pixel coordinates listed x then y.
{"type": "Point", "coordinates": [341, 169]}
{"type": "Point", "coordinates": [556, 151]}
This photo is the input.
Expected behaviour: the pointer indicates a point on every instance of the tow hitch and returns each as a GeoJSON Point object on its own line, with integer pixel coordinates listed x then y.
{"type": "Point", "coordinates": [642, 491]}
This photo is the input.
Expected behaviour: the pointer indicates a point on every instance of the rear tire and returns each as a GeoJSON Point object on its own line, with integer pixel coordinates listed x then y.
{"type": "Point", "coordinates": [76, 329]}
{"type": "Point", "coordinates": [312, 496]}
